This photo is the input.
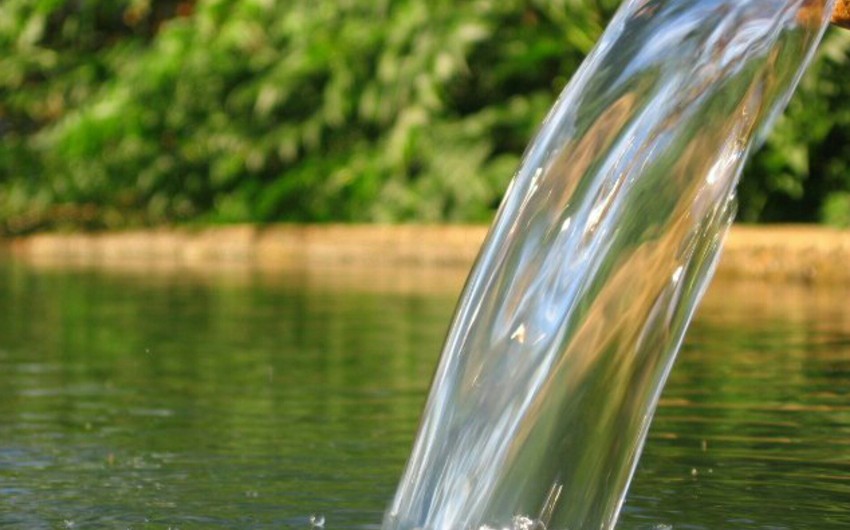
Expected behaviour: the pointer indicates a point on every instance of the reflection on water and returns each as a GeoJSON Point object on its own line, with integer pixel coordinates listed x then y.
{"type": "Point", "coordinates": [753, 430]}
{"type": "Point", "coordinates": [254, 402]}
{"type": "Point", "coordinates": [180, 402]}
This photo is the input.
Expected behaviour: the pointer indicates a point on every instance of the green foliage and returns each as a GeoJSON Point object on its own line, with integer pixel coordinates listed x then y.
{"type": "Point", "coordinates": [138, 112]}
{"type": "Point", "coordinates": [55, 57]}
{"type": "Point", "coordinates": [836, 209]}
{"type": "Point", "coordinates": [805, 160]}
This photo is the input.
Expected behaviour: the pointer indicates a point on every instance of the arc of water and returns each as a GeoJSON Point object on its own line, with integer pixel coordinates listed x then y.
{"type": "Point", "coordinates": [602, 248]}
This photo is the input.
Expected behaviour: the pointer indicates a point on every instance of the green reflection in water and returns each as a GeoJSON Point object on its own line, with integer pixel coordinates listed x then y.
{"type": "Point", "coordinates": [754, 426]}
{"type": "Point", "coordinates": [251, 401]}
{"type": "Point", "coordinates": [174, 401]}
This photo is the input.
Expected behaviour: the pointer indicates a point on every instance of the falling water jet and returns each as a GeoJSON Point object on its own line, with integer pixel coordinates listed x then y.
{"type": "Point", "coordinates": [604, 243]}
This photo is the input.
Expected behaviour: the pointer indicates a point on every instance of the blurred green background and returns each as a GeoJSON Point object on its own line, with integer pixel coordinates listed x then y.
{"type": "Point", "coordinates": [137, 112]}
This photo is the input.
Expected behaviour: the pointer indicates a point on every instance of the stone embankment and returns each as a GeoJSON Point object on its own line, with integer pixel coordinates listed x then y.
{"type": "Point", "coordinates": [778, 253]}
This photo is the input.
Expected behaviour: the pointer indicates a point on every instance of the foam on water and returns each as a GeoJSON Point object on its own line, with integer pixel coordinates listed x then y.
{"type": "Point", "coordinates": [604, 244]}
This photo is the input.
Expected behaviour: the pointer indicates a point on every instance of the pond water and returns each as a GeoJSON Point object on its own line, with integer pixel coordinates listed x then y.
{"type": "Point", "coordinates": [242, 399]}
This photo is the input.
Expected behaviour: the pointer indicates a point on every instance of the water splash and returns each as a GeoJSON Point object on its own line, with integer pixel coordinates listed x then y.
{"type": "Point", "coordinates": [604, 244]}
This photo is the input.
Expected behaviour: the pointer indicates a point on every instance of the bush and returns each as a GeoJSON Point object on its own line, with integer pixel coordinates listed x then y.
{"type": "Point", "coordinates": [132, 112]}
{"type": "Point", "coordinates": [805, 159]}
{"type": "Point", "coordinates": [836, 209]}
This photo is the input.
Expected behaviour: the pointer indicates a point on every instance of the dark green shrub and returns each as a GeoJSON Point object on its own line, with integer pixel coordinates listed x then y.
{"type": "Point", "coordinates": [140, 112]}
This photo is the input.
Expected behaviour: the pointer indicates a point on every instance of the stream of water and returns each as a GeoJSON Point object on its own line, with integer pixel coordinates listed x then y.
{"type": "Point", "coordinates": [604, 244]}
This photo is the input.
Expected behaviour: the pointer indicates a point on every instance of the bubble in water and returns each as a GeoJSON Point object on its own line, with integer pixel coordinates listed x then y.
{"type": "Point", "coordinates": [521, 522]}
{"type": "Point", "coordinates": [317, 521]}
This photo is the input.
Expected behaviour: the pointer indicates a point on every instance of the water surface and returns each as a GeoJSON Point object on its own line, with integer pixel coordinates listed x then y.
{"type": "Point", "coordinates": [247, 400]}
